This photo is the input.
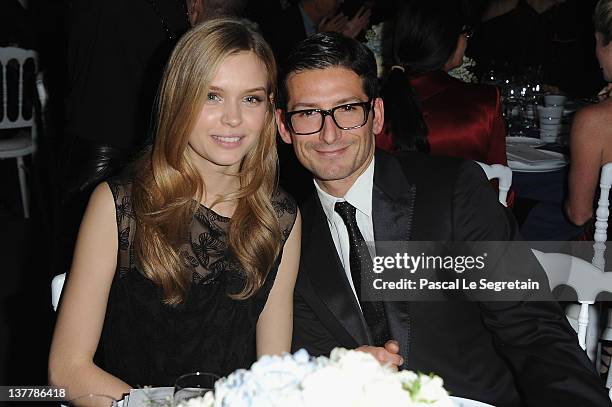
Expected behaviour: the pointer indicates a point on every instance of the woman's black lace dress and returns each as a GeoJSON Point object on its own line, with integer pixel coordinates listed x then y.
{"type": "Point", "coordinates": [145, 342]}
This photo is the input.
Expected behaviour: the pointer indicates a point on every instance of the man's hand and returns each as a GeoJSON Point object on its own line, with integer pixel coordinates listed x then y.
{"type": "Point", "coordinates": [360, 21]}
{"type": "Point", "coordinates": [387, 355]}
{"type": "Point", "coordinates": [336, 23]}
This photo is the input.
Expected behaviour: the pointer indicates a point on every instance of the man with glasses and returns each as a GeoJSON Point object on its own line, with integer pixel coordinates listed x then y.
{"type": "Point", "coordinates": [504, 353]}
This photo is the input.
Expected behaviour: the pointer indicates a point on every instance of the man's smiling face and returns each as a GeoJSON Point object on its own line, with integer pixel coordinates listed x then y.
{"type": "Point", "coordinates": [334, 156]}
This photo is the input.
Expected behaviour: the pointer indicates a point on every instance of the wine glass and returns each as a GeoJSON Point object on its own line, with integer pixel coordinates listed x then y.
{"type": "Point", "coordinates": [192, 385]}
{"type": "Point", "coordinates": [513, 110]}
{"type": "Point", "coordinates": [93, 400]}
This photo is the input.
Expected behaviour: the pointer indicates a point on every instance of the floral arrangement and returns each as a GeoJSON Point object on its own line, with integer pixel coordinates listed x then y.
{"type": "Point", "coordinates": [374, 41]}
{"type": "Point", "coordinates": [346, 378]}
{"type": "Point", "coordinates": [464, 72]}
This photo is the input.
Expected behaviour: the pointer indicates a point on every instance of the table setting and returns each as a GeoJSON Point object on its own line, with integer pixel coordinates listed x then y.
{"type": "Point", "coordinates": [538, 120]}
{"type": "Point", "coordinates": [537, 150]}
{"type": "Point", "coordinates": [528, 154]}
{"type": "Point", "coordinates": [538, 134]}
{"type": "Point", "coordinates": [538, 123]}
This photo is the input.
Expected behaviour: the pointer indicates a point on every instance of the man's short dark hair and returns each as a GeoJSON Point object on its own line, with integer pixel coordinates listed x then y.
{"type": "Point", "coordinates": [328, 50]}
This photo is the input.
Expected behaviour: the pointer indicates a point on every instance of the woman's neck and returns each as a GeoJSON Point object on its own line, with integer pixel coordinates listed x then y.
{"type": "Point", "coordinates": [217, 184]}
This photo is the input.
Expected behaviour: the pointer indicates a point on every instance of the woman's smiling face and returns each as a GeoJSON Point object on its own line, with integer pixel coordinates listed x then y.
{"type": "Point", "coordinates": [233, 115]}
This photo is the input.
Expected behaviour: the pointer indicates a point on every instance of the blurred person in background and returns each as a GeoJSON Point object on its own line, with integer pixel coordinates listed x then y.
{"type": "Point", "coordinates": [547, 39]}
{"type": "Point", "coordinates": [306, 17]}
{"type": "Point", "coordinates": [428, 110]}
{"type": "Point", "coordinates": [16, 26]}
{"type": "Point", "coordinates": [591, 145]}
{"type": "Point", "coordinates": [591, 134]}
{"type": "Point", "coordinates": [204, 10]}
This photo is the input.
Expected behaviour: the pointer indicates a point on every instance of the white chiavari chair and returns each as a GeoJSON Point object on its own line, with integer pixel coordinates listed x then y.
{"type": "Point", "coordinates": [57, 285]}
{"type": "Point", "coordinates": [18, 110]}
{"type": "Point", "coordinates": [599, 248]}
{"type": "Point", "coordinates": [504, 176]}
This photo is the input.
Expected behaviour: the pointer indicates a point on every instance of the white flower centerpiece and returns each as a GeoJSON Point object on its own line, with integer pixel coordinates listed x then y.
{"type": "Point", "coordinates": [346, 378]}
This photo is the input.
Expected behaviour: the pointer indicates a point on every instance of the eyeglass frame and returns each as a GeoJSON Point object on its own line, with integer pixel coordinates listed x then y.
{"type": "Point", "coordinates": [330, 112]}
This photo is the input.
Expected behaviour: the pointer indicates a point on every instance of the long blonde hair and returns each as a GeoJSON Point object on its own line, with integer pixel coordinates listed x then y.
{"type": "Point", "coordinates": [167, 185]}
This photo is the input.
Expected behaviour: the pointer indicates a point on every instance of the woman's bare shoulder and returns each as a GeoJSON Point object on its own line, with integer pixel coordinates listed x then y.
{"type": "Point", "coordinates": [596, 116]}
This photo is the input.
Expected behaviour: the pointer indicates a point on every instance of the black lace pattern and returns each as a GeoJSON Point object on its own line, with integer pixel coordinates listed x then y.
{"type": "Point", "coordinates": [148, 343]}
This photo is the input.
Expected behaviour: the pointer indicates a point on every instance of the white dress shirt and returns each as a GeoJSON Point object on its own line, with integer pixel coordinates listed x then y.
{"type": "Point", "coordinates": [360, 196]}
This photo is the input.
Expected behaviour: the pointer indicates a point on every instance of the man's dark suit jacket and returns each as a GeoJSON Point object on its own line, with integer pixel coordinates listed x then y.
{"type": "Point", "coordinates": [503, 353]}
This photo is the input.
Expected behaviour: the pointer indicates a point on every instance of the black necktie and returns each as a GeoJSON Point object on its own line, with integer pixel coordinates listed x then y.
{"type": "Point", "coordinates": [373, 311]}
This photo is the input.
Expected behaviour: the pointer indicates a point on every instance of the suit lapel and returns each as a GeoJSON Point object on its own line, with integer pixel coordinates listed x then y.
{"type": "Point", "coordinates": [393, 200]}
{"type": "Point", "coordinates": [328, 278]}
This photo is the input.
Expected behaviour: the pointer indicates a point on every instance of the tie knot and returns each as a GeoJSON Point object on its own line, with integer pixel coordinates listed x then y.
{"type": "Point", "coordinates": [346, 211]}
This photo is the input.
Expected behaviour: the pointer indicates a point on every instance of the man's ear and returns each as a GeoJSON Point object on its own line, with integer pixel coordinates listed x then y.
{"type": "Point", "coordinates": [379, 115]}
{"type": "Point", "coordinates": [280, 124]}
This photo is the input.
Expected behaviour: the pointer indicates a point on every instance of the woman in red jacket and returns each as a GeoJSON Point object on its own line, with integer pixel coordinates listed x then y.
{"type": "Point", "coordinates": [425, 108]}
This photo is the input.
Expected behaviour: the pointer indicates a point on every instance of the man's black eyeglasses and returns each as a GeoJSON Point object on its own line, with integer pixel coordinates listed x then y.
{"type": "Point", "coordinates": [346, 117]}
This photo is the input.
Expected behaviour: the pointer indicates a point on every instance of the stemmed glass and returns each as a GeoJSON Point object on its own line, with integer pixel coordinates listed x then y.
{"type": "Point", "coordinates": [192, 385]}
{"type": "Point", "coordinates": [512, 101]}
{"type": "Point", "coordinates": [521, 95]}
{"type": "Point", "coordinates": [534, 91]}
{"type": "Point", "coordinates": [93, 400]}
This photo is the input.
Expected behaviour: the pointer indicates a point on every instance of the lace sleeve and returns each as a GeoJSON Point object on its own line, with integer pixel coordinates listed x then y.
{"type": "Point", "coordinates": [286, 211]}
{"type": "Point", "coordinates": [125, 223]}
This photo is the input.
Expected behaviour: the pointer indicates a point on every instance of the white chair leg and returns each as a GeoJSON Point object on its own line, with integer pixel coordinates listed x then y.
{"type": "Point", "coordinates": [584, 319]}
{"type": "Point", "coordinates": [606, 336]}
{"type": "Point", "coordinates": [23, 186]}
{"type": "Point", "coordinates": [598, 358]}
{"type": "Point", "coordinates": [609, 381]}
{"type": "Point", "coordinates": [588, 328]}
{"type": "Point", "coordinates": [592, 333]}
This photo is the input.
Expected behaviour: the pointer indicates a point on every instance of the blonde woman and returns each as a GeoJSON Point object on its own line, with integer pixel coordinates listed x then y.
{"type": "Point", "coordinates": [591, 134]}
{"type": "Point", "coordinates": [188, 262]}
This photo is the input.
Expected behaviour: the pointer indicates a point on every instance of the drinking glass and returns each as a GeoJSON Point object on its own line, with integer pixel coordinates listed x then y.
{"type": "Point", "coordinates": [192, 385]}
{"type": "Point", "coordinates": [93, 400]}
{"type": "Point", "coordinates": [513, 113]}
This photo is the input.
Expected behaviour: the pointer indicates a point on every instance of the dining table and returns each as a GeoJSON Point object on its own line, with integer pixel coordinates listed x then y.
{"type": "Point", "coordinates": [539, 180]}
{"type": "Point", "coordinates": [540, 172]}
